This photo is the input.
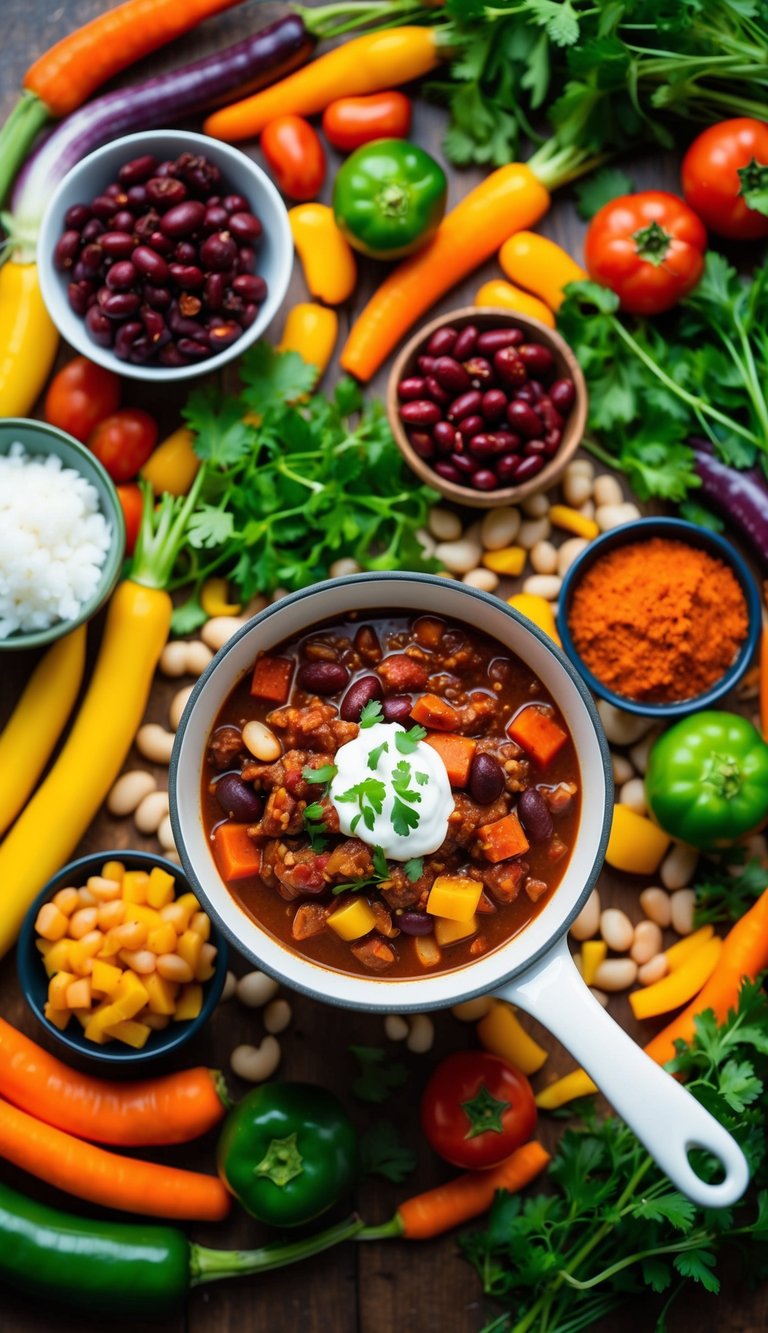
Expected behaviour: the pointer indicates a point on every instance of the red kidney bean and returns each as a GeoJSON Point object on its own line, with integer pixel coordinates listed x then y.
{"type": "Point", "coordinates": [360, 693]}
{"type": "Point", "coordinates": [445, 436]}
{"type": "Point", "coordinates": [214, 291]}
{"type": "Point", "coordinates": [146, 224]}
{"type": "Point", "coordinates": [102, 207]}
{"type": "Point", "coordinates": [492, 340]}
{"type": "Point", "coordinates": [451, 375]}
{"type": "Point", "coordinates": [442, 341]}
{"type": "Point", "coordinates": [422, 443]}
{"type": "Point", "coordinates": [166, 168]}
{"type": "Point", "coordinates": [185, 253]}
{"type": "Point", "coordinates": [215, 218]}
{"type": "Point", "coordinates": [251, 288]}
{"type": "Point", "coordinates": [425, 364]}
{"type": "Point", "coordinates": [525, 394]}
{"type": "Point", "coordinates": [486, 779]}
{"type": "Point", "coordinates": [150, 264]}
{"type": "Point", "coordinates": [158, 297]}
{"type": "Point", "coordinates": [194, 349]}
{"type": "Point", "coordinates": [464, 464]}
{"type": "Point", "coordinates": [552, 442]}
{"type": "Point", "coordinates": [183, 219]}
{"type": "Point", "coordinates": [138, 170]}
{"type": "Point", "coordinates": [467, 404]}
{"type": "Point", "coordinates": [465, 343]}
{"type": "Point", "coordinates": [527, 468]}
{"type": "Point", "coordinates": [448, 472]}
{"type": "Point", "coordinates": [537, 391]}
{"type": "Point", "coordinates": [322, 677]}
{"type": "Point", "coordinates": [114, 191]}
{"type": "Point", "coordinates": [118, 305]}
{"type": "Point", "coordinates": [397, 708]}
{"type": "Point", "coordinates": [549, 414]}
{"type": "Point", "coordinates": [117, 244]}
{"type": "Point", "coordinates": [78, 294]}
{"type": "Point", "coordinates": [91, 257]}
{"type": "Point", "coordinates": [410, 389]}
{"type": "Point", "coordinates": [422, 412]}
{"type": "Point", "coordinates": [77, 216]}
{"type": "Point", "coordinates": [484, 480]}
{"type": "Point", "coordinates": [480, 372]}
{"type": "Point", "coordinates": [93, 228]}
{"type": "Point", "coordinates": [506, 468]}
{"type": "Point", "coordinates": [188, 276]}
{"type": "Point", "coordinates": [99, 326]}
{"type": "Point", "coordinates": [246, 260]}
{"type": "Point", "coordinates": [471, 425]}
{"type": "Point", "coordinates": [524, 420]}
{"type": "Point", "coordinates": [67, 250]}
{"type": "Point", "coordinates": [415, 923]}
{"type": "Point", "coordinates": [136, 199]}
{"type": "Point", "coordinates": [223, 333]}
{"type": "Point", "coordinates": [234, 203]}
{"type": "Point", "coordinates": [538, 360]}
{"type": "Point", "coordinates": [508, 443]}
{"type": "Point", "coordinates": [533, 447]}
{"type": "Point", "coordinates": [244, 226]}
{"type": "Point", "coordinates": [434, 391]}
{"type": "Point", "coordinates": [184, 327]}
{"type": "Point", "coordinates": [79, 273]}
{"type": "Point", "coordinates": [162, 244]}
{"type": "Point", "coordinates": [509, 367]}
{"type": "Point", "coordinates": [248, 316]}
{"type": "Point", "coordinates": [493, 405]}
{"type": "Point", "coordinates": [171, 356]}
{"type": "Point", "coordinates": [562, 394]}
{"type": "Point", "coordinates": [237, 799]}
{"type": "Point", "coordinates": [483, 446]}
{"type": "Point", "coordinates": [234, 304]}
{"type": "Point", "coordinates": [153, 322]}
{"type": "Point", "coordinates": [126, 337]}
{"type": "Point", "coordinates": [534, 815]}
{"type": "Point", "coordinates": [218, 251]}
{"type": "Point", "coordinates": [167, 192]}
{"type": "Point", "coordinates": [121, 276]}
{"type": "Point", "coordinates": [122, 221]}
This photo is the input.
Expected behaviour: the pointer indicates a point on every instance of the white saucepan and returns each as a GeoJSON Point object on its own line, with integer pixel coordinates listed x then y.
{"type": "Point", "coordinates": [534, 970]}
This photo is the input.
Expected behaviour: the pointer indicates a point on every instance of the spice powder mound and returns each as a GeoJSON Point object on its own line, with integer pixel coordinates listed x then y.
{"type": "Point", "coordinates": [658, 620]}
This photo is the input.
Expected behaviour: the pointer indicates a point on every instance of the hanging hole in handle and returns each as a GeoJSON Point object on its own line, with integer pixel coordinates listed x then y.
{"type": "Point", "coordinates": [705, 1164]}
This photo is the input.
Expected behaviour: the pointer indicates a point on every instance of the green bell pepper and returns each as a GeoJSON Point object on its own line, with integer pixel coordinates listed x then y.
{"type": "Point", "coordinates": [707, 779]}
{"type": "Point", "coordinates": [287, 1151]}
{"type": "Point", "coordinates": [389, 197]}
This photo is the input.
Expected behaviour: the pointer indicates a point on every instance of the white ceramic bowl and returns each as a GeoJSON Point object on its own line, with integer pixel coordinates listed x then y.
{"type": "Point", "coordinates": [94, 173]}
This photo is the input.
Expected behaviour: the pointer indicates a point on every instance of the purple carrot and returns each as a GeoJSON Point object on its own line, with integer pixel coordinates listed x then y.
{"type": "Point", "coordinates": [741, 497]}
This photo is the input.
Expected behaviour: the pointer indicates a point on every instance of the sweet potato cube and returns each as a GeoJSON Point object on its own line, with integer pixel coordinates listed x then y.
{"type": "Point", "coordinates": [140, 912]}
{"type": "Point", "coordinates": [130, 996]}
{"type": "Point", "coordinates": [133, 1034]}
{"type": "Point", "coordinates": [502, 839]}
{"type": "Point", "coordinates": [162, 939]}
{"type": "Point", "coordinates": [83, 951]}
{"type": "Point", "coordinates": [56, 957]}
{"type": "Point", "coordinates": [236, 855]}
{"type": "Point", "coordinates": [105, 978]}
{"type": "Point", "coordinates": [538, 734]}
{"type": "Point", "coordinates": [432, 711]}
{"type": "Point", "coordinates": [189, 946]}
{"type": "Point", "coordinates": [134, 886]}
{"type": "Point", "coordinates": [456, 752]}
{"type": "Point", "coordinates": [154, 1021]}
{"type": "Point", "coordinates": [57, 989]}
{"type": "Point", "coordinates": [94, 1030]}
{"type": "Point", "coordinates": [161, 994]}
{"type": "Point", "coordinates": [451, 932]}
{"type": "Point", "coordinates": [454, 897]}
{"type": "Point", "coordinates": [272, 679]}
{"type": "Point", "coordinates": [190, 1002]}
{"type": "Point", "coordinates": [59, 1017]}
{"type": "Point", "coordinates": [113, 870]}
{"type": "Point", "coordinates": [161, 889]}
{"type": "Point", "coordinates": [78, 993]}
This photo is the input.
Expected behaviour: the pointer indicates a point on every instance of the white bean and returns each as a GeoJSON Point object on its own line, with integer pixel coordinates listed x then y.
{"type": "Point", "coordinates": [178, 704]}
{"type": "Point", "coordinates": [422, 1034]}
{"type": "Point", "coordinates": [679, 866]}
{"type": "Point", "coordinates": [261, 741]}
{"type": "Point", "coordinates": [256, 989]}
{"type": "Point", "coordinates": [426, 542]}
{"type": "Point", "coordinates": [682, 905]}
{"type": "Point", "coordinates": [654, 970]}
{"type": "Point", "coordinates": [587, 923]}
{"type": "Point", "coordinates": [543, 585]}
{"type": "Point", "coordinates": [536, 506]}
{"type": "Point", "coordinates": [219, 629]}
{"type": "Point", "coordinates": [616, 974]}
{"type": "Point", "coordinates": [151, 812]}
{"type": "Point", "coordinates": [277, 1016]}
{"type": "Point", "coordinates": [640, 753]}
{"type": "Point", "coordinates": [173, 659]}
{"type": "Point", "coordinates": [459, 557]}
{"type": "Point", "coordinates": [165, 835]}
{"type": "Point", "coordinates": [657, 905]}
{"type": "Point", "coordinates": [632, 793]}
{"type": "Point", "coordinates": [499, 528]}
{"type": "Point", "coordinates": [585, 466]}
{"type": "Point", "coordinates": [544, 558]}
{"type": "Point", "coordinates": [444, 525]}
{"type": "Point", "coordinates": [173, 855]}
{"type": "Point", "coordinates": [471, 1011]}
{"type": "Point", "coordinates": [154, 743]}
{"type": "Point", "coordinates": [532, 531]}
{"type": "Point", "coordinates": [616, 929]}
{"type": "Point", "coordinates": [129, 791]}
{"type": "Point", "coordinates": [620, 727]}
{"type": "Point", "coordinates": [599, 995]}
{"type": "Point", "coordinates": [568, 552]}
{"type": "Point", "coordinates": [230, 986]}
{"type": "Point", "coordinates": [647, 942]}
{"type": "Point", "coordinates": [607, 490]}
{"type": "Point", "coordinates": [343, 567]}
{"type": "Point", "coordinates": [622, 769]}
{"type": "Point", "coordinates": [198, 657]}
{"type": "Point", "coordinates": [615, 516]}
{"type": "Point", "coordinates": [395, 1027]}
{"type": "Point", "coordinates": [484, 579]}
{"type": "Point", "coordinates": [255, 1064]}
{"type": "Point", "coordinates": [577, 487]}
{"type": "Point", "coordinates": [587, 509]}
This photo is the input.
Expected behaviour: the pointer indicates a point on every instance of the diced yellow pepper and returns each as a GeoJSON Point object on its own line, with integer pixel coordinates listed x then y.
{"type": "Point", "coordinates": [502, 1033]}
{"type": "Point", "coordinates": [113, 870]}
{"type": "Point", "coordinates": [162, 939]}
{"type": "Point", "coordinates": [94, 1031]}
{"type": "Point", "coordinates": [56, 957]}
{"type": "Point", "coordinates": [572, 521]}
{"type": "Point", "coordinates": [78, 994]}
{"type": "Point", "coordinates": [510, 560]}
{"type": "Point", "coordinates": [59, 1017]}
{"type": "Point", "coordinates": [112, 945]}
{"type": "Point", "coordinates": [593, 953]}
{"type": "Point", "coordinates": [450, 932]}
{"type": "Point", "coordinates": [83, 1016]}
{"type": "Point", "coordinates": [150, 916]}
{"type": "Point", "coordinates": [566, 1089]}
{"type": "Point", "coordinates": [154, 1021]}
{"type": "Point", "coordinates": [51, 922]}
{"type": "Point", "coordinates": [189, 946]}
{"type": "Point", "coordinates": [537, 609]}
{"type": "Point", "coordinates": [454, 897]}
{"type": "Point", "coordinates": [57, 989]}
{"type": "Point", "coordinates": [133, 1034]}
{"type": "Point", "coordinates": [161, 993]}
{"type": "Point", "coordinates": [679, 986]}
{"type": "Point", "coordinates": [190, 1002]}
{"type": "Point", "coordinates": [352, 920]}
{"type": "Point", "coordinates": [135, 884]}
{"type": "Point", "coordinates": [130, 996]}
{"type": "Point", "coordinates": [678, 953]}
{"type": "Point", "coordinates": [635, 845]}
{"type": "Point", "coordinates": [105, 978]}
{"type": "Point", "coordinates": [161, 887]}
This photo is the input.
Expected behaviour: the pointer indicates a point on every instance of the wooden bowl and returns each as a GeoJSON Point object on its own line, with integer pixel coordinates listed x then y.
{"type": "Point", "coordinates": [566, 365]}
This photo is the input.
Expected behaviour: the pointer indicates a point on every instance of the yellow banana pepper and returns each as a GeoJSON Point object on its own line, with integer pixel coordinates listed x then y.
{"type": "Point", "coordinates": [504, 296]}
{"type": "Point", "coordinates": [173, 465]}
{"type": "Point", "coordinates": [539, 265]}
{"type": "Point", "coordinates": [329, 265]}
{"type": "Point", "coordinates": [214, 596]}
{"type": "Point", "coordinates": [502, 1033]}
{"type": "Point", "coordinates": [28, 339]}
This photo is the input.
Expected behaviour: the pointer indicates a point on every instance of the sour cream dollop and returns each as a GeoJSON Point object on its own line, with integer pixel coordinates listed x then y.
{"type": "Point", "coordinates": [426, 778]}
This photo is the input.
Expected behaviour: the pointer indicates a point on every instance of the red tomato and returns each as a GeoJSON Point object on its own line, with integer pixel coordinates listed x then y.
{"type": "Point", "coordinates": [721, 169]}
{"type": "Point", "coordinates": [80, 396]}
{"type": "Point", "coordinates": [123, 442]}
{"type": "Point", "coordinates": [648, 248]}
{"type": "Point", "coordinates": [295, 156]}
{"type": "Point", "coordinates": [476, 1110]}
{"type": "Point", "coordinates": [131, 503]}
{"type": "Point", "coordinates": [353, 121]}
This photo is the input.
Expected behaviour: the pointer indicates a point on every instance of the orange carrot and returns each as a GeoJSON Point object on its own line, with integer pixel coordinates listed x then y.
{"type": "Point", "coordinates": [272, 679]}
{"type": "Point", "coordinates": [506, 201]}
{"type": "Point", "coordinates": [502, 839]}
{"type": "Point", "coordinates": [66, 75]}
{"type": "Point", "coordinates": [102, 1177]}
{"type": "Point", "coordinates": [469, 1195]}
{"type": "Point", "coordinates": [237, 855]}
{"type": "Point", "coordinates": [432, 711]}
{"type": "Point", "coordinates": [536, 732]}
{"type": "Point", "coordinates": [456, 752]}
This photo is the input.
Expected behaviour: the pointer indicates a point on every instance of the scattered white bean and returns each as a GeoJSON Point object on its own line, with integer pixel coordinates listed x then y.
{"type": "Point", "coordinates": [129, 791]}
{"type": "Point", "coordinates": [343, 567]}
{"type": "Point", "coordinates": [532, 531]}
{"type": "Point", "coordinates": [444, 525]}
{"type": "Point", "coordinates": [173, 855]}
{"type": "Point", "coordinates": [599, 995]}
{"type": "Point", "coordinates": [682, 905]}
{"type": "Point", "coordinates": [256, 989]}
{"type": "Point", "coordinates": [459, 557]}
{"type": "Point", "coordinates": [622, 769]}
{"type": "Point", "coordinates": [255, 1064]}
{"type": "Point", "coordinates": [587, 923]}
{"type": "Point", "coordinates": [198, 657]}
{"type": "Point", "coordinates": [620, 727]}
{"type": "Point", "coordinates": [632, 793]}
{"type": "Point", "coordinates": [178, 704]}
{"type": "Point", "coordinates": [277, 1016]}
{"type": "Point", "coordinates": [615, 516]}
{"type": "Point", "coordinates": [654, 970]}
{"type": "Point", "coordinates": [278, 595]}
{"type": "Point", "coordinates": [568, 552]}
{"type": "Point", "coordinates": [647, 942]}
{"type": "Point", "coordinates": [657, 905]}
{"type": "Point", "coordinates": [587, 510]}
{"type": "Point", "coordinates": [471, 1011]}
{"type": "Point", "coordinates": [607, 490]}
{"type": "Point", "coordinates": [499, 528]}
{"type": "Point", "coordinates": [422, 1034]}
{"type": "Point", "coordinates": [616, 974]}
{"type": "Point", "coordinates": [173, 659]}
{"type": "Point", "coordinates": [484, 579]}
{"type": "Point", "coordinates": [679, 866]}
{"type": "Point", "coordinates": [150, 813]}
{"type": "Point", "coordinates": [640, 753]}
{"type": "Point", "coordinates": [426, 542]}
{"type": "Point", "coordinates": [165, 835]}
{"type": "Point", "coordinates": [230, 986]}
{"type": "Point", "coordinates": [585, 466]}
{"type": "Point", "coordinates": [154, 743]}
{"type": "Point", "coordinates": [616, 929]}
{"type": "Point", "coordinates": [395, 1027]}
{"type": "Point", "coordinates": [537, 505]}
{"type": "Point", "coordinates": [544, 558]}
{"type": "Point", "coordinates": [219, 629]}
{"type": "Point", "coordinates": [543, 585]}
{"type": "Point", "coordinates": [261, 741]}
{"type": "Point", "coordinates": [577, 487]}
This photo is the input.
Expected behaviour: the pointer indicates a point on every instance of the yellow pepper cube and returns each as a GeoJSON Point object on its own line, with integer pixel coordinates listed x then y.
{"type": "Point", "coordinates": [57, 989]}
{"type": "Point", "coordinates": [51, 922]}
{"type": "Point", "coordinates": [454, 897]}
{"type": "Point", "coordinates": [154, 1021]}
{"type": "Point", "coordinates": [83, 1016]}
{"type": "Point", "coordinates": [105, 978]}
{"type": "Point", "coordinates": [572, 521]}
{"type": "Point", "coordinates": [635, 845]}
{"type": "Point", "coordinates": [190, 1002]}
{"type": "Point", "coordinates": [82, 952]}
{"type": "Point", "coordinates": [130, 996]}
{"type": "Point", "coordinates": [78, 994]}
{"type": "Point", "coordinates": [161, 887]}
{"type": "Point", "coordinates": [59, 1017]}
{"type": "Point", "coordinates": [510, 560]}
{"type": "Point", "coordinates": [56, 957]}
{"type": "Point", "coordinates": [140, 912]}
{"type": "Point", "coordinates": [135, 885]}
{"type": "Point", "coordinates": [161, 994]}
{"type": "Point", "coordinates": [94, 1031]}
{"type": "Point", "coordinates": [538, 610]}
{"type": "Point", "coordinates": [501, 1032]}
{"type": "Point", "coordinates": [133, 1034]}
{"type": "Point", "coordinates": [593, 953]}
{"type": "Point", "coordinates": [113, 870]}
{"type": "Point", "coordinates": [162, 939]}
{"type": "Point", "coordinates": [352, 920]}
{"type": "Point", "coordinates": [450, 932]}
{"type": "Point", "coordinates": [189, 946]}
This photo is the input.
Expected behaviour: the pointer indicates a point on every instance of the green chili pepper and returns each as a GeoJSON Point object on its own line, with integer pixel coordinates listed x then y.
{"type": "Point", "coordinates": [707, 779]}
{"type": "Point", "coordinates": [287, 1151]}
{"type": "Point", "coordinates": [123, 1267]}
{"type": "Point", "coordinates": [389, 197]}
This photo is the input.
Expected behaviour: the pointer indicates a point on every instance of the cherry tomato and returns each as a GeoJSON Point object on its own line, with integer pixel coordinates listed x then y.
{"type": "Point", "coordinates": [80, 396]}
{"type": "Point", "coordinates": [476, 1110]}
{"type": "Point", "coordinates": [353, 121]}
{"type": "Point", "coordinates": [648, 248]}
{"type": "Point", "coordinates": [722, 172]}
{"type": "Point", "coordinates": [123, 442]}
{"type": "Point", "coordinates": [131, 503]}
{"type": "Point", "coordinates": [295, 156]}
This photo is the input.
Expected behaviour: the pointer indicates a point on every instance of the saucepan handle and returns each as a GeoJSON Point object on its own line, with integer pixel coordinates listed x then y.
{"type": "Point", "coordinates": [666, 1118]}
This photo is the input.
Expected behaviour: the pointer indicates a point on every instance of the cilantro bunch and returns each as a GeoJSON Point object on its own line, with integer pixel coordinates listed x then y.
{"type": "Point", "coordinates": [614, 1229]}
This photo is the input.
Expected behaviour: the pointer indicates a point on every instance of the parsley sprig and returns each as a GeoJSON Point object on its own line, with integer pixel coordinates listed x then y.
{"type": "Point", "coordinates": [314, 813]}
{"type": "Point", "coordinates": [369, 796]}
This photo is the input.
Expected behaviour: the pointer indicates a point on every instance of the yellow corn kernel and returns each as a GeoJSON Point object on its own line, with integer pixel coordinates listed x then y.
{"type": "Point", "coordinates": [57, 989]}
{"type": "Point", "coordinates": [58, 1017]}
{"type": "Point", "coordinates": [190, 1002]}
{"type": "Point", "coordinates": [593, 953]}
{"type": "Point", "coordinates": [109, 915]}
{"type": "Point", "coordinates": [189, 946]}
{"type": "Point", "coordinates": [565, 1089]}
{"type": "Point", "coordinates": [502, 1033]}
{"type": "Point", "coordinates": [635, 845]}
{"type": "Point", "coordinates": [510, 560]}
{"type": "Point", "coordinates": [149, 916]}
{"type": "Point", "coordinates": [454, 897]}
{"type": "Point", "coordinates": [104, 890]}
{"type": "Point", "coordinates": [680, 952]}
{"type": "Point", "coordinates": [162, 994]}
{"type": "Point", "coordinates": [105, 978]}
{"type": "Point", "coordinates": [82, 922]}
{"type": "Point", "coordinates": [82, 952]}
{"type": "Point", "coordinates": [78, 994]}
{"type": "Point", "coordinates": [51, 922]}
{"type": "Point", "coordinates": [113, 870]}
{"type": "Point", "coordinates": [352, 920]}
{"type": "Point", "coordinates": [67, 901]}
{"type": "Point", "coordinates": [206, 964]}
{"type": "Point", "coordinates": [134, 886]}
{"type": "Point", "coordinates": [572, 521]}
{"type": "Point", "coordinates": [161, 887]}
{"type": "Point", "coordinates": [133, 1034]}
{"type": "Point", "coordinates": [538, 610]}
{"type": "Point", "coordinates": [450, 932]}
{"type": "Point", "coordinates": [201, 923]}
{"type": "Point", "coordinates": [162, 938]}
{"type": "Point", "coordinates": [56, 957]}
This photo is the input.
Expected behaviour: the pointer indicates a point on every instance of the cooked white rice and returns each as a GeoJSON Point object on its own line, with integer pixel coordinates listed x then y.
{"type": "Point", "coordinates": [53, 541]}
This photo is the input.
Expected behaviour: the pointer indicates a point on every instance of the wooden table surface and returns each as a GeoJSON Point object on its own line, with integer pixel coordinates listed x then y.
{"type": "Point", "coordinates": [377, 1288]}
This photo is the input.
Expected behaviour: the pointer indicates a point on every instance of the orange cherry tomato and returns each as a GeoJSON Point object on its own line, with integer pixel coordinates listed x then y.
{"type": "Point", "coordinates": [353, 121]}
{"type": "Point", "coordinates": [123, 442]}
{"type": "Point", "coordinates": [723, 170]}
{"type": "Point", "coordinates": [295, 156]}
{"type": "Point", "coordinates": [80, 396]}
{"type": "Point", "coordinates": [131, 504]}
{"type": "Point", "coordinates": [648, 248]}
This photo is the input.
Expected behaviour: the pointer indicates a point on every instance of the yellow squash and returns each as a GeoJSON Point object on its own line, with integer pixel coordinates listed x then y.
{"type": "Point", "coordinates": [28, 339]}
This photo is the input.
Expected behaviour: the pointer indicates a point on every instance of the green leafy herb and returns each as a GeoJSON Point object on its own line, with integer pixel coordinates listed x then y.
{"type": "Point", "coordinates": [406, 741]}
{"type": "Point", "coordinates": [375, 755]}
{"type": "Point", "coordinates": [414, 868]}
{"type": "Point", "coordinates": [315, 827]}
{"type": "Point", "coordinates": [369, 796]}
{"type": "Point", "coordinates": [371, 714]}
{"type": "Point", "coordinates": [382, 1153]}
{"type": "Point", "coordinates": [600, 189]}
{"type": "Point", "coordinates": [326, 773]}
{"type": "Point", "coordinates": [401, 777]}
{"type": "Point", "coordinates": [722, 896]}
{"type": "Point", "coordinates": [378, 1076]}
{"type": "Point", "coordinates": [379, 875]}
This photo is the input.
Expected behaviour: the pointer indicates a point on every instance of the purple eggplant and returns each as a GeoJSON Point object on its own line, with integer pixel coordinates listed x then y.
{"type": "Point", "coordinates": [741, 497]}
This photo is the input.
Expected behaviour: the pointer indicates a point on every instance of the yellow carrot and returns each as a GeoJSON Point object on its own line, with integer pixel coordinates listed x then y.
{"type": "Point", "coordinates": [539, 265]}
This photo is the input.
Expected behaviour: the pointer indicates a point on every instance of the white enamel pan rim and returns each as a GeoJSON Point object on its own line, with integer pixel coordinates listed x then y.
{"type": "Point", "coordinates": [368, 593]}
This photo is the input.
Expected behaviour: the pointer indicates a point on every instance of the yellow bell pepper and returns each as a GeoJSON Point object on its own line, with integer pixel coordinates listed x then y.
{"type": "Point", "coordinates": [190, 1002]}
{"type": "Point", "coordinates": [510, 560]}
{"type": "Point", "coordinates": [540, 266]}
{"type": "Point", "coordinates": [502, 1033]}
{"type": "Point", "coordinates": [454, 897]}
{"type": "Point", "coordinates": [173, 465]}
{"type": "Point", "coordinates": [214, 599]}
{"type": "Point", "coordinates": [132, 1033]}
{"type": "Point", "coordinates": [635, 845]}
{"type": "Point", "coordinates": [593, 953]}
{"type": "Point", "coordinates": [679, 953]}
{"type": "Point", "coordinates": [502, 295]}
{"type": "Point", "coordinates": [538, 610]}
{"type": "Point", "coordinates": [450, 932]}
{"type": "Point", "coordinates": [311, 330]}
{"type": "Point", "coordinates": [352, 920]}
{"type": "Point", "coordinates": [28, 339]}
{"type": "Point", "coordinates": [566, 1089]}
{"type": "Point", "coordinates": [329, 265]}
{"type": "Point", "coordinates": [679, 986]}
{"type": "Point", "coordinates": [161, 887]}
{"type": "Point", "coordinates": [562, 516]}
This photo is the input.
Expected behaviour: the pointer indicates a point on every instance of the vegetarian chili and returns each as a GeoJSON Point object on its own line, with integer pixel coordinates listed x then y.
{"type": "Point", "coordinates": [394, 797]}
